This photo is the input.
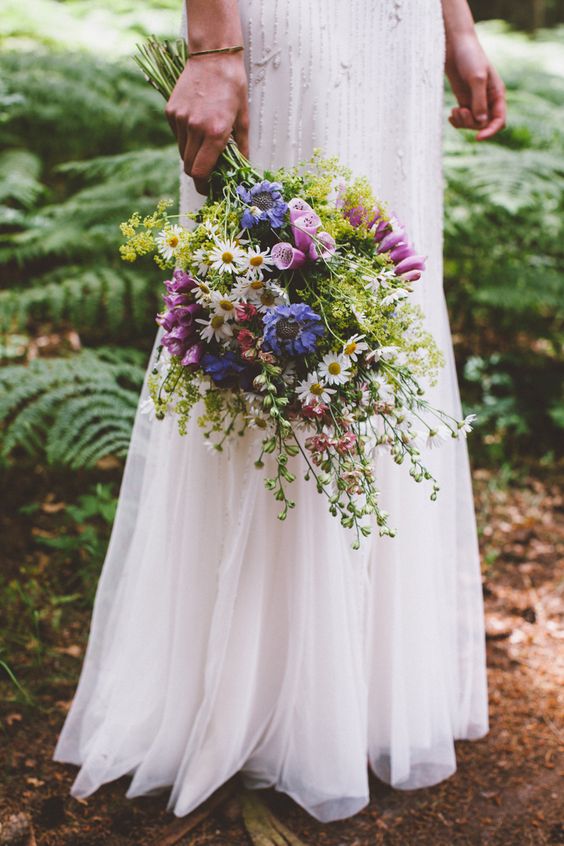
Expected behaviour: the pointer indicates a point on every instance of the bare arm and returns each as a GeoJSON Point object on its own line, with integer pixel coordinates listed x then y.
{"type": "Point", "coordinates": [475, 82]}
{"type": "Point", "coordinates": [210, 99]}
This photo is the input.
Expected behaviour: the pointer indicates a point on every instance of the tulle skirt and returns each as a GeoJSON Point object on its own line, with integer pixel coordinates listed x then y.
{"type": "Point", "coordinates": [223, 640]}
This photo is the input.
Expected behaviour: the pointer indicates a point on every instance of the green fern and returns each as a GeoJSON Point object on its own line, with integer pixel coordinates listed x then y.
{"type": "Point", "coordinates": [71, 411]}
{"type": "Point", "coordinates": [117, 302]}
{"type": "Point", "coordinates": [19, 177]}
{"type": "Point", "coordinates": [87, 223]}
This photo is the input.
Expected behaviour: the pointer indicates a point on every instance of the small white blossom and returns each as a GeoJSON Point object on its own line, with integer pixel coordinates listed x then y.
{"type": "Point", "coordinates": [465, 426]}
{"type": "Point", "coordinates": [335, 369]}
{"type": "Point", "coordinates": [168, 241]}
{"type": "Point", "coordinates": [227, 256]}
{"type": "Point", "coordinates": [313, 390]}
{"type": "Point", "coordinates": [216, 327]}
{"type": "Point", "coordinates": [223, 304]}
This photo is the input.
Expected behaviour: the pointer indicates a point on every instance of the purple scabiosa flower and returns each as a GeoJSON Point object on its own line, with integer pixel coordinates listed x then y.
{"type": "Point", "coordinates": [292, 329]}
{"type": "Point", "coordinates": [265, 203]}
{"type": "Point", "coordinates": [286, 257]}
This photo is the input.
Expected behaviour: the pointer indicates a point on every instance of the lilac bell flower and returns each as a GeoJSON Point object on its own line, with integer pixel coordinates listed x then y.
{"type": "Point", "coordinates": [181, 283]}
{"type": "Point", "coordinates": [193, 355]}
{"type": "Point", "coordinates": [303, 227]}
{"type": "Point", "coordinates": [298, 207]}
{"type": "Point", "coordinates": [391, 237]}
{"type": "Point", "coordinates": [286, 257]}
{"type": "Point", "coordinates": [323, 247]}
{"type": "Point", "coordinates": [264, 202]}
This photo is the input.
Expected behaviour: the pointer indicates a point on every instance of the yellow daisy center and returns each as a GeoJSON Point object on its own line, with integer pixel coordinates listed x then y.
{"type": "Point", "coordinates": [316, 389]}
{"type": "Point", "coordinates": [257, 284]}
{"type": "Point", "coordinates": [267, 298]}
{"type": "Point", "coordinates": [260, 423]}
{"type": "Point", "coordinates": [227, 257]}
{"type": "Point", "coordinates": [350, 348]}
{"type": "Point", "coordinates": [226, 305]}
{"type": "Point", "coordinates": [256, 261]}
{"type": "Point", "coordinates": [173, 241]}
{"type": "Point", "coordinates": [217, 321]}
{"type": "Point", "coordinates": [334, 368]}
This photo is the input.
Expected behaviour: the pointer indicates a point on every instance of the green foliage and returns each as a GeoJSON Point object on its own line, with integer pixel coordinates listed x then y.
{"type": "Point", "coordinates": [504, 257]}
{"type": "Point", "coordinates": [71, 411]}
{"type": "Point", "coordinates": [96, 301]}
{"type": "Point", "coordinates": [82, 536]}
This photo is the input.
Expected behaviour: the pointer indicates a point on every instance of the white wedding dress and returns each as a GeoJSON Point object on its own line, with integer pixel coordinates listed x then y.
{"type": "Point", "coordinates": [223, 640]}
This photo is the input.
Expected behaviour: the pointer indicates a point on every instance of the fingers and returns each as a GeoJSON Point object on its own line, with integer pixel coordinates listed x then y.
{"type": "Point", "coordinates": [193, 144]}
{"type": "Point", "coordinates": [479, 98]}
{"type": "Point", "coordinates": [241, 130]}
{"type": "Point", "coordinates": [205, 160]}
{"type": "Point", "coordinates": [497, 108]}
{"type": "Point", "coordinates": [462, 117]}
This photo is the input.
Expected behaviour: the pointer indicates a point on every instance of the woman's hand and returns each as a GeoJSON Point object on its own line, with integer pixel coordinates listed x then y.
{"type": "Point", "coordinates": [209, 102]}
{"type": "Point", "coordinates": [477, 87]}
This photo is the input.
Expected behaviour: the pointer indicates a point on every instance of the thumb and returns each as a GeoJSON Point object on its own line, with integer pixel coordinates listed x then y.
{"type": "Point", "coordinates": [479, 98]}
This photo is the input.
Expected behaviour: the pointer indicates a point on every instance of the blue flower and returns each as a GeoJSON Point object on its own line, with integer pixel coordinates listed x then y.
{"type": "Point", "coordinates": [227, 369]}
{"type": "Point", "coordinates": [265, 203]}
{"type": "Point", "coordinates": [292, 329]}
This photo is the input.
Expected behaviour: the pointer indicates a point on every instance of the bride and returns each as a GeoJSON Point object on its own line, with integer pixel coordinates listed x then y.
{"type": "Point", "coordinates": [222, 640]}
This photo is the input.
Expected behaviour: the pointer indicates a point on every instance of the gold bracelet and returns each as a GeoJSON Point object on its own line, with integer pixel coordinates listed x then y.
{"type": "Point", "coordinates": [217, 50]}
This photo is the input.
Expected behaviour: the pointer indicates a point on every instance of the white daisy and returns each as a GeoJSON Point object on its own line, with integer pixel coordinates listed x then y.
{"type": "Point", "coordinates": [465, 426]}
{"type": "Point", "coordinates": [223, 304]}
{"type": "Point", "coordinates": [217, 327]}
{"type": "Point", "coordinates": [396, 295]}
{"type": "Point", "coordinates": [226, 256]}
{"type": "Point", "coordinates": [249, 288]}
{"type": "Point", "coordinates": [313, 390]}
{"type": "Point", "coordinates": [168, 241]}
{"type": "Point", "coordinates": [436, 436]}
{"type": "Point", "coordinates": [202, 293]}
{"type": "Point", "coordinates": [200, 261]}
{"type": "Point", "coordinates": [270, 296]}
{"type": "Point", "coordinates": [354, 346]}
{"type": "Point", "coordinates": [386, 353]}
{"type": "Point", "coordinates": [255, 262]}
{"type": "Point", "coordinates": [335, 369]}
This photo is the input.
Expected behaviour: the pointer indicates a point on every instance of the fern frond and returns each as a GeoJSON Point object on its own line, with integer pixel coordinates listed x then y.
{"type": "Point", "coordinates": [19, 177]}
{"type": "Point", "coordinates": [115, 301]}
{"type": "Point", "coordinates": [73, 410]}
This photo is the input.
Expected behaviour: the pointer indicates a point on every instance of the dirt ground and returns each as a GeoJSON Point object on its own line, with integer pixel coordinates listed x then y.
{"type": "Point", "coordinates": [507, 789]}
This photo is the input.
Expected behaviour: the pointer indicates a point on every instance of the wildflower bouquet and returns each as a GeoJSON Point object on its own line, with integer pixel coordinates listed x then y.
{"type": "Point", "coordinates": [287, 310]}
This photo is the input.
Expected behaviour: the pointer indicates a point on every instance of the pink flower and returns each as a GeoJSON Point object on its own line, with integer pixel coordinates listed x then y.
{"type": "Point", "coordinates": [322, 248]}
{"type": "Point", "coordinates": [245, 311]}
{"type": "Point", "coordinates": [246, 339]}
{"type": "Point", "coordinates": [297, 208]}
{"type": "Point", "coordinates": [313, 410]}
{"type": "Point", "coordinates": [346, 442]}
{"type": "Point", "coordinates": [412, 262]}
{"type": "Point", "coordinates": [287, 257]}
{"type": "Point", "coordinates": [303, 227]}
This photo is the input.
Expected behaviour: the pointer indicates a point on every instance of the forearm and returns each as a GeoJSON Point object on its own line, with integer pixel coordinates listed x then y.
{"type": "Point", "coordinates": [213, 24]}
{"type": "Point", "coordinates": [458, 19]}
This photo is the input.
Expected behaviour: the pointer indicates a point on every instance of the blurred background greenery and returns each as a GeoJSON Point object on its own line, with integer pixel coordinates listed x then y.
{"type": "Point", "coordinates": [83, 141]}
